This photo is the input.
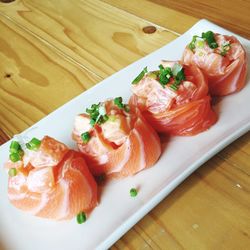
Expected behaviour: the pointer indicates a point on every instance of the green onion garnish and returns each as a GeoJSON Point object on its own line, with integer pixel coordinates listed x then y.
{"type": "Point", "coordinates": [209, 37]}
{"type": "Point", "coordinates": [14, 157]}
{"type": "Point", "coordinates": [15, 147]}
{"type": "Point", "coordinates": [140, 76]}
{"type": "Point", "coordinates": [126, 108]}
{"type": "Point", "coordinates": [92, 122]}
{"type": "Point", "coordinates": [179, 76]}
{"type": "Point", "coordinates": [176, 69]}
{"type": "Point", "coordinates": [133, 192]}
{"type": "Point", "coordinates": [206, 36]}
{"type": "Point", "coordinates": [33, 144]}
{"type": "Point", "coordinates": [192, 43]}
{"type": "Point", "coordinates": [120, 105]}
{"type": "Point", "coordinates": [118, 102]}
{"type": "Point", "coordinates": [225, 48]}
{"type": "Point", "coordinates": [97, 114]}
{"type": "Point", "coordinates": [85, 137]}
{"type": "Point", "coordinates": [12, 172]}
{"type": "Point", "coordinates": [16, 152]}
{"type": "Point", "coordinates": [81, 218]}
{"type": "Point", "coordinates": [153, 74]}
{"type": "Point", "coordinates": [164, 75]}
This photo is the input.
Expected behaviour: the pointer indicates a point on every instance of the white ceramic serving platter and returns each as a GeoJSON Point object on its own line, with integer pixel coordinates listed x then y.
{"type": "Point", "coordinates": [117, 211]}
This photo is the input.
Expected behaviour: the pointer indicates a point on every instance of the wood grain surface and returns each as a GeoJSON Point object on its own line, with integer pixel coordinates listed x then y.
{"type": "Point", "coordinates": [51, 51]}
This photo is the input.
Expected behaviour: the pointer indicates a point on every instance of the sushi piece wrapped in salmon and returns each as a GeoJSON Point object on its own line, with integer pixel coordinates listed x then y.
{"type": "Point", "coordinates": [49, 180]}
{"type": "Point", "coordinates": [115, 139]}
{"type": "Point", "coordinates": [174, 99]}
{"type": "Point", "coordinates": [221, 58]}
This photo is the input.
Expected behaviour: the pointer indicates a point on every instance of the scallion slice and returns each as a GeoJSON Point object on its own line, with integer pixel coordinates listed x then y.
{"type": "Point", "coordinates": [140, 76]}
{"type": "Point", "coordinates": [14, 157]}
{"type": "Point", "coordinates": [85, 137]}
{"type": "Point", "coordinates": [33, 144]}
{"type": "Point", "coordinates": [12, 172]}
{"type": "Point", "coordinates": [81, 218]}
{"type": "Point", "coordinates": [133, 192]}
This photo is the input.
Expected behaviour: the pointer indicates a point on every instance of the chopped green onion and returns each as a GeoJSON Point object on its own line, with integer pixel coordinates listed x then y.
{"type": "Point", "coordinates": [153, 74]}
{"type": "Point", "coordinates": [225, 48]}
{"type": "Point", "coordinates": [81, 218]}
{"type": "Point", "coordinates": [33, 144]}
{"type": "Point", "coordinates": [105, 118]}
{"type": "Point", "coordinates": [140, 76]}
{"type": "Point", "coordinates": [97, 113]}
{"type": "Point", "coordinates": [200, 44]}
{"type": "Point", "coordinates": [192, 43]}
{"type": "Point", "coordinates": [206, 36]}
{"type": "Point", "coordinates": [126, 108]}
{"type": "Point", "coordinates": [179, 76]}
{"type": "Point", "coordinates": [16, 152]}
{"type": "Point", "coordinates": [120, 105]}
{"type": "Point", "coordinates": [92, 122]}
{"type": "Point", "coordinates": [174, 87]}
{"type": "Point", "coordinates": [176, 69]}
{"type": "Point", "coordinates": [102, 110]}
{"type": "Point", "coordinates": [118, 102]}
{"type": "Point", "coordinates": [12, 172]}
{"type": "Point", "coordinates": [14, 157]}
{"type": "Point", "coordinates": [15, 147]}
{"type": "Point", "coordinates": [209, 37]}
{"type": "Point", "coordinates": [165, 75]}
{"type": "Point", "coordinates": [133, 192]}
{"type": "Point", "coordinates": [85, 137]}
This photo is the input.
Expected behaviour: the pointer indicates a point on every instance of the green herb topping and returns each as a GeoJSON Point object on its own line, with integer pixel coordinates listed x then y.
{"type": "Point", "coordinates": [12, 172]}
{"type": "Point", "coordinates": [120, 105]}
{"type": "Point", "coordinates": [209, 37]}
{"type": "Point", "coordinates": [133, 192]}
{"type": "Point", "coordinates": [179, 76]}
{"type": "Point", "coordinates": [140, 76]}
{"type": "Point", "coordinates": [192, 44]}
{"type": "Point", "coordinates": [97, 114]}
{"type": "Point", "coordinates": [14, 157]}
{"type": "Point", "coordinates": [81, 218]}
{"type": "Point", "coordinates": [206, 36]}
{"type": "Point", "coordinates": [225, 48]}
{"type": "Point", "coordinates": [16, 152]}
{"type": "Point", "coordinates": [118, 102]}
{"type": "Point", "coordinates": [33, 144]}
{"type": "Point", "coordinates": [164, 75]}
{"type": "Point", "coordinates": [85, 137]}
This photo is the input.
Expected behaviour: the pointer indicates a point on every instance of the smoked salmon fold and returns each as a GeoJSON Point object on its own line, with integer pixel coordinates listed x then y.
{"type": "Point", "coordinates": [179, 106]}
{"type": "Point", "coordinates": [52, 181]}
{"type": "Point", "coordinates": [119, 142]}
{"type": "Point", "coordinates": [224, 63]}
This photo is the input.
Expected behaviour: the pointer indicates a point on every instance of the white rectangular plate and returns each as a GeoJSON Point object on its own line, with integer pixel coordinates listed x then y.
{"type": "Point", "coordinates": [117, 211]}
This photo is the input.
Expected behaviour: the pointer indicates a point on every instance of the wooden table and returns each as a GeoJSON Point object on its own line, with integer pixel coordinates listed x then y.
{"type": "Point", "coordinates": [50, 51]}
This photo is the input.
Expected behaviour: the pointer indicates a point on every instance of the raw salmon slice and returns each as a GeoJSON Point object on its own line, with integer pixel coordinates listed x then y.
{"type": "Point", "coordinates": [225, 65]}
{"type": "Point", "coordinates": [119, 143]}
{"type": "Point", "coordinates": [51, 181]}
{"type": "Point", "coordinates": [177, 103]}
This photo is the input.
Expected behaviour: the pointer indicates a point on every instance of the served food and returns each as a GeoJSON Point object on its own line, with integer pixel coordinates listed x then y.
{"type": "Point", "coordinates": [49, 180]}
{"type": "Point", "coordinates": [221, 58]}
{"type": "Point", "coordinates": [174, 99]}
{"type": "Point", "coordinates": [115, 139]}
